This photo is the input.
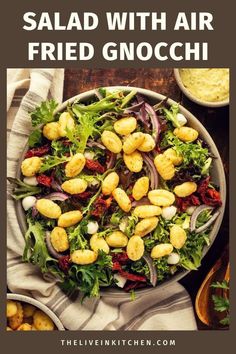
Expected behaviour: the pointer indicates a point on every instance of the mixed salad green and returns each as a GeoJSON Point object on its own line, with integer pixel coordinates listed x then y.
{"type": "Point", "coordinates": [116, 192]}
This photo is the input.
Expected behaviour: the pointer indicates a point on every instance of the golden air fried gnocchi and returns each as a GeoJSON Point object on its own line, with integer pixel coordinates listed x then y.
{"type": "Point", "coordinates": [59, 239]}
{"type": "Point", "coordinates": [134, 161]}
{"type": "Point", "coordinates": [145, 226]}
{"type": "Point", "coordinates": [186, 134]}
{"type": "Point", "coordinates": [48, 208]}
{"type": "Point", "coordinates": [16, 320]}
{"type": "Point", "coordinates": [178, 236]}
{"type": "Point", "coordinates": [74, 186]}
{"type": "Point", "coordinates": [122, 199]}
{"type": "Point", "coordinates": [75, 165]}
{"type": "Point", "coordinates": [28, 310]}
{"type": "Point", "coordinates": [42, 322]}
{"type": "Point", "coordinates": [135, 248]}
{"type": "Point", "coordinates": [132, 142]}
{"type": "Point", "coordinates": [83, 257]}
{"type": "Point", "coordinates": [164, 167]}
{"type": "Point", "coordinates": [11, 308]}
{"type": "Point", "coordinates": [125, 126]}
{"type": "Point", "coordinates": [111, 141]}
{"type": "Point", "coordinates": [185, 189]}
{"type": "Point", "coordinates": [147, 211]}
{"type": "Point", "coordinates": [110, 183]}
{"type": "Point", "coordinates": [70, 218]}
{"type": "Point", "coordinates": [140, 188]}
{"type": "Point", "coordinates": [98, 243]}
{"type": "Point", "coordinates": [24, 327]}
{"type": "Point", "coordinates": [65, 122]}
{"type": "Point", "coordinates": [148, 144]}
{"type": "Point", "coordinates": [51, 131]}
{"type": "Point", "coordinates": [161, 250]}
{"type": "Point", "coordinates": [117, 239]}
{"type": "Point", "coordinates": [31, 166]}
{"type": "Point", "coordinates": [161, 197]}
{"type": "Point", "coordinates": [172, 155]}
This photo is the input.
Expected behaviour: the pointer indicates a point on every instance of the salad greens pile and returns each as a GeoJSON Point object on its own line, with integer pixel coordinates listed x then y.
{"type": "Point", "coordinates": [102, 215]}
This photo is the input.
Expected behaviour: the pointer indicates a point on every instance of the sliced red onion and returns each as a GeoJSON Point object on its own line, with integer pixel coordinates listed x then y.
{"type": "Point", "coordinates": [56, 186]}
{"type": "Point", "coordinates": [57, 196]}
{"type": "Point", "coordinates": [91, 143]}
{"type": "Point", "coordinates": [135, 108]}
{"type": "Point", "coordinates": [152, 170]}
{"type": "Point", "coordinates": [155, 121]}
{"type": "Point", "coordinates": [152, 269]}
{"type": "Point", "coordinates": [112, 160]}
{"type": "Point", "coordinates": [196, 214]}
{"type": "Point", "coordinates": [34, 211]}
{"type": "Point", "coordinates": [143, 201]}
{"type": "Point", "coordinates": [208, 223]}
{"type": "Point", "coordinates": [50, 247]}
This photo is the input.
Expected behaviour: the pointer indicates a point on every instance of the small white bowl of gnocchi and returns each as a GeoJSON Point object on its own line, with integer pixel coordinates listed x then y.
{"type": "Point", "coordinates": [27, 314]}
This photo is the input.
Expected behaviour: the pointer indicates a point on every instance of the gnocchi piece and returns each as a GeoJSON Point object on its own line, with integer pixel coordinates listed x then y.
{"type": "Point", "coordinates": [110, 183]}
{"type": "Point", "coordinates": [140, 188]}
{"type": "Point", "coordinates": [11, 308]}
{"type": "Point", "coordinates": [83, 257]}
{"type": "Point", "coordinates": [24, 327]}
{"type": "Point", "coordinates": [146, 226]}
{"type": "Point", "coordinates": [125, 126]}
{"type": "Point", "coordinates": [51, 131]}
{"type": "Point", "coordinates": [28, 310]}
{"type": "Point", "coordinates": [161, 197]}
{"type": "Point", "coordinates": [132, 142]}
{"type": "Point", "coordinates": [161, 250]}
{"type": "Point", "coordinates": [148, 144]}
{"type": "Point", "coordinates": [31, 166]}
{"type": "Point", "coordinates": [75, 165]}
{"type": "Point", "coordinates": [133, 161]}
{"type": "Point", "coordinates": [185, 189]}
{"type": "Point", "coordinates": [135, 248]}
{"type": "Point", "coordinates": [74, 186]}
{"type": "Point", "coordinates": [164, 167]}
{"type": "Point", "coordinates": [147, 211]}
{"type": "Point", "coordinates": [178, 236]}
{"type": "Point", "coordinates": [16, 320]}
{"type": "Point", "coordinates": [42, 322]}
{"type": "Point", "coordinates": [9, 329]}
{"type": "Point", "coordinates": [59, 239]}
{"type": "Point", "coordinates": [111, 141]}
{"type": "Point", "coordinates": [122, 199]}
{"type": "Point", "coordinates": [186, 134]}
{"type": "Point", "coordinates": [65, 122]}
{"type": "Point", "coordinates": [98, 243]}
{"type": "Point", "coordinates": [70, 218]}
{"type": "Point", "coordinates": [173, 156]}
{"type": "Point", "coordinates": [117, 239]}
{"type": "Point", "coordinates": [48, 208]}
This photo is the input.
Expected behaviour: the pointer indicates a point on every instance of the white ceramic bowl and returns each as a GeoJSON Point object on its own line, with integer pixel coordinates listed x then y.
{"type": "Point", "coordinates": [40, 306]}
{"type": "Point", "coordinates": [194, 98]}
{"type": "Point", "coordinates": [218, 176]}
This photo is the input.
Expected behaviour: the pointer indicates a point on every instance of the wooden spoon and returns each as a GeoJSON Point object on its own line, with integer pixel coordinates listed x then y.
{"type": "Point", "coordinates": [203, 304]}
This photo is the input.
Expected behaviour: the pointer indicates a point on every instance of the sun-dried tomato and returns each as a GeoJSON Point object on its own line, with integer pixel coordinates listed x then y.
{"type": "Point", "coordinates": [209, 196]}
{"type": "Point", "coordinates": [95, 166]}
{"type": "Point", "coordinates": [64, 263]}
{"type": "Point", "coordinates": [44, 180]}
{"type": "Point", "coordinates": [39, 151]}
{"type": "Point", "coordinates": [121, 258]}
{"type": "Point", "coordinates": [101, 206]}
{"type": "Point", "coordinates": [203, 185]}
{"type": "Point", "coordinates": [132, 277]}
{"type": "Point", "coordinates": [116, 266]}
{"type": "Point", "coordinates": [84, 195]}
{"type": "Point", "coordinates": [184, 203]}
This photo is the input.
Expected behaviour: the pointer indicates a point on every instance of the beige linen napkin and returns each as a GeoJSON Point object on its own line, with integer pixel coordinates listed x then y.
{"type": "Point", "coordinates": [169, 308]}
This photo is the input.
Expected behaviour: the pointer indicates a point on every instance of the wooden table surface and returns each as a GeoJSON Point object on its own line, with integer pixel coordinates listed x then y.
{"type": "Point", "coordinates": [216, 121]}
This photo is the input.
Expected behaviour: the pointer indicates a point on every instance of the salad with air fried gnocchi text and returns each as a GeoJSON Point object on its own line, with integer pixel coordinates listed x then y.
{"type": "Point", "coordinates": [116, 192]}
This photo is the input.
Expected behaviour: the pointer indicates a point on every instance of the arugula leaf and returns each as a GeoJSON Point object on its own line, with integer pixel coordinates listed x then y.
{"type": "Point", "coordinates": [21, 189]}
{"type": "Point", "coordinates": [171, 114]}
{"type": "Point", "coordinates": [132, 295]}
{"type": "Point", "coordinates": [36, 250]}
{"type": "Point", "coordinates": [52, 161]}
{"type": "Point", "coordinates": [162, 267]}
{"type": "Point", "coordinates": [44, 113]}
{"type": "Point", "coordinates": [59, 149]}
{"type": "Point", "coordinates": [35, 138]}
{"type": "Point", "coordinates": [77, 236]}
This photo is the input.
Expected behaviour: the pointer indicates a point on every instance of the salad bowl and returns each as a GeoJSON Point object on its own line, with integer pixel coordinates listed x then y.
{"type": "Point", "coordinates": [217, 174]}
